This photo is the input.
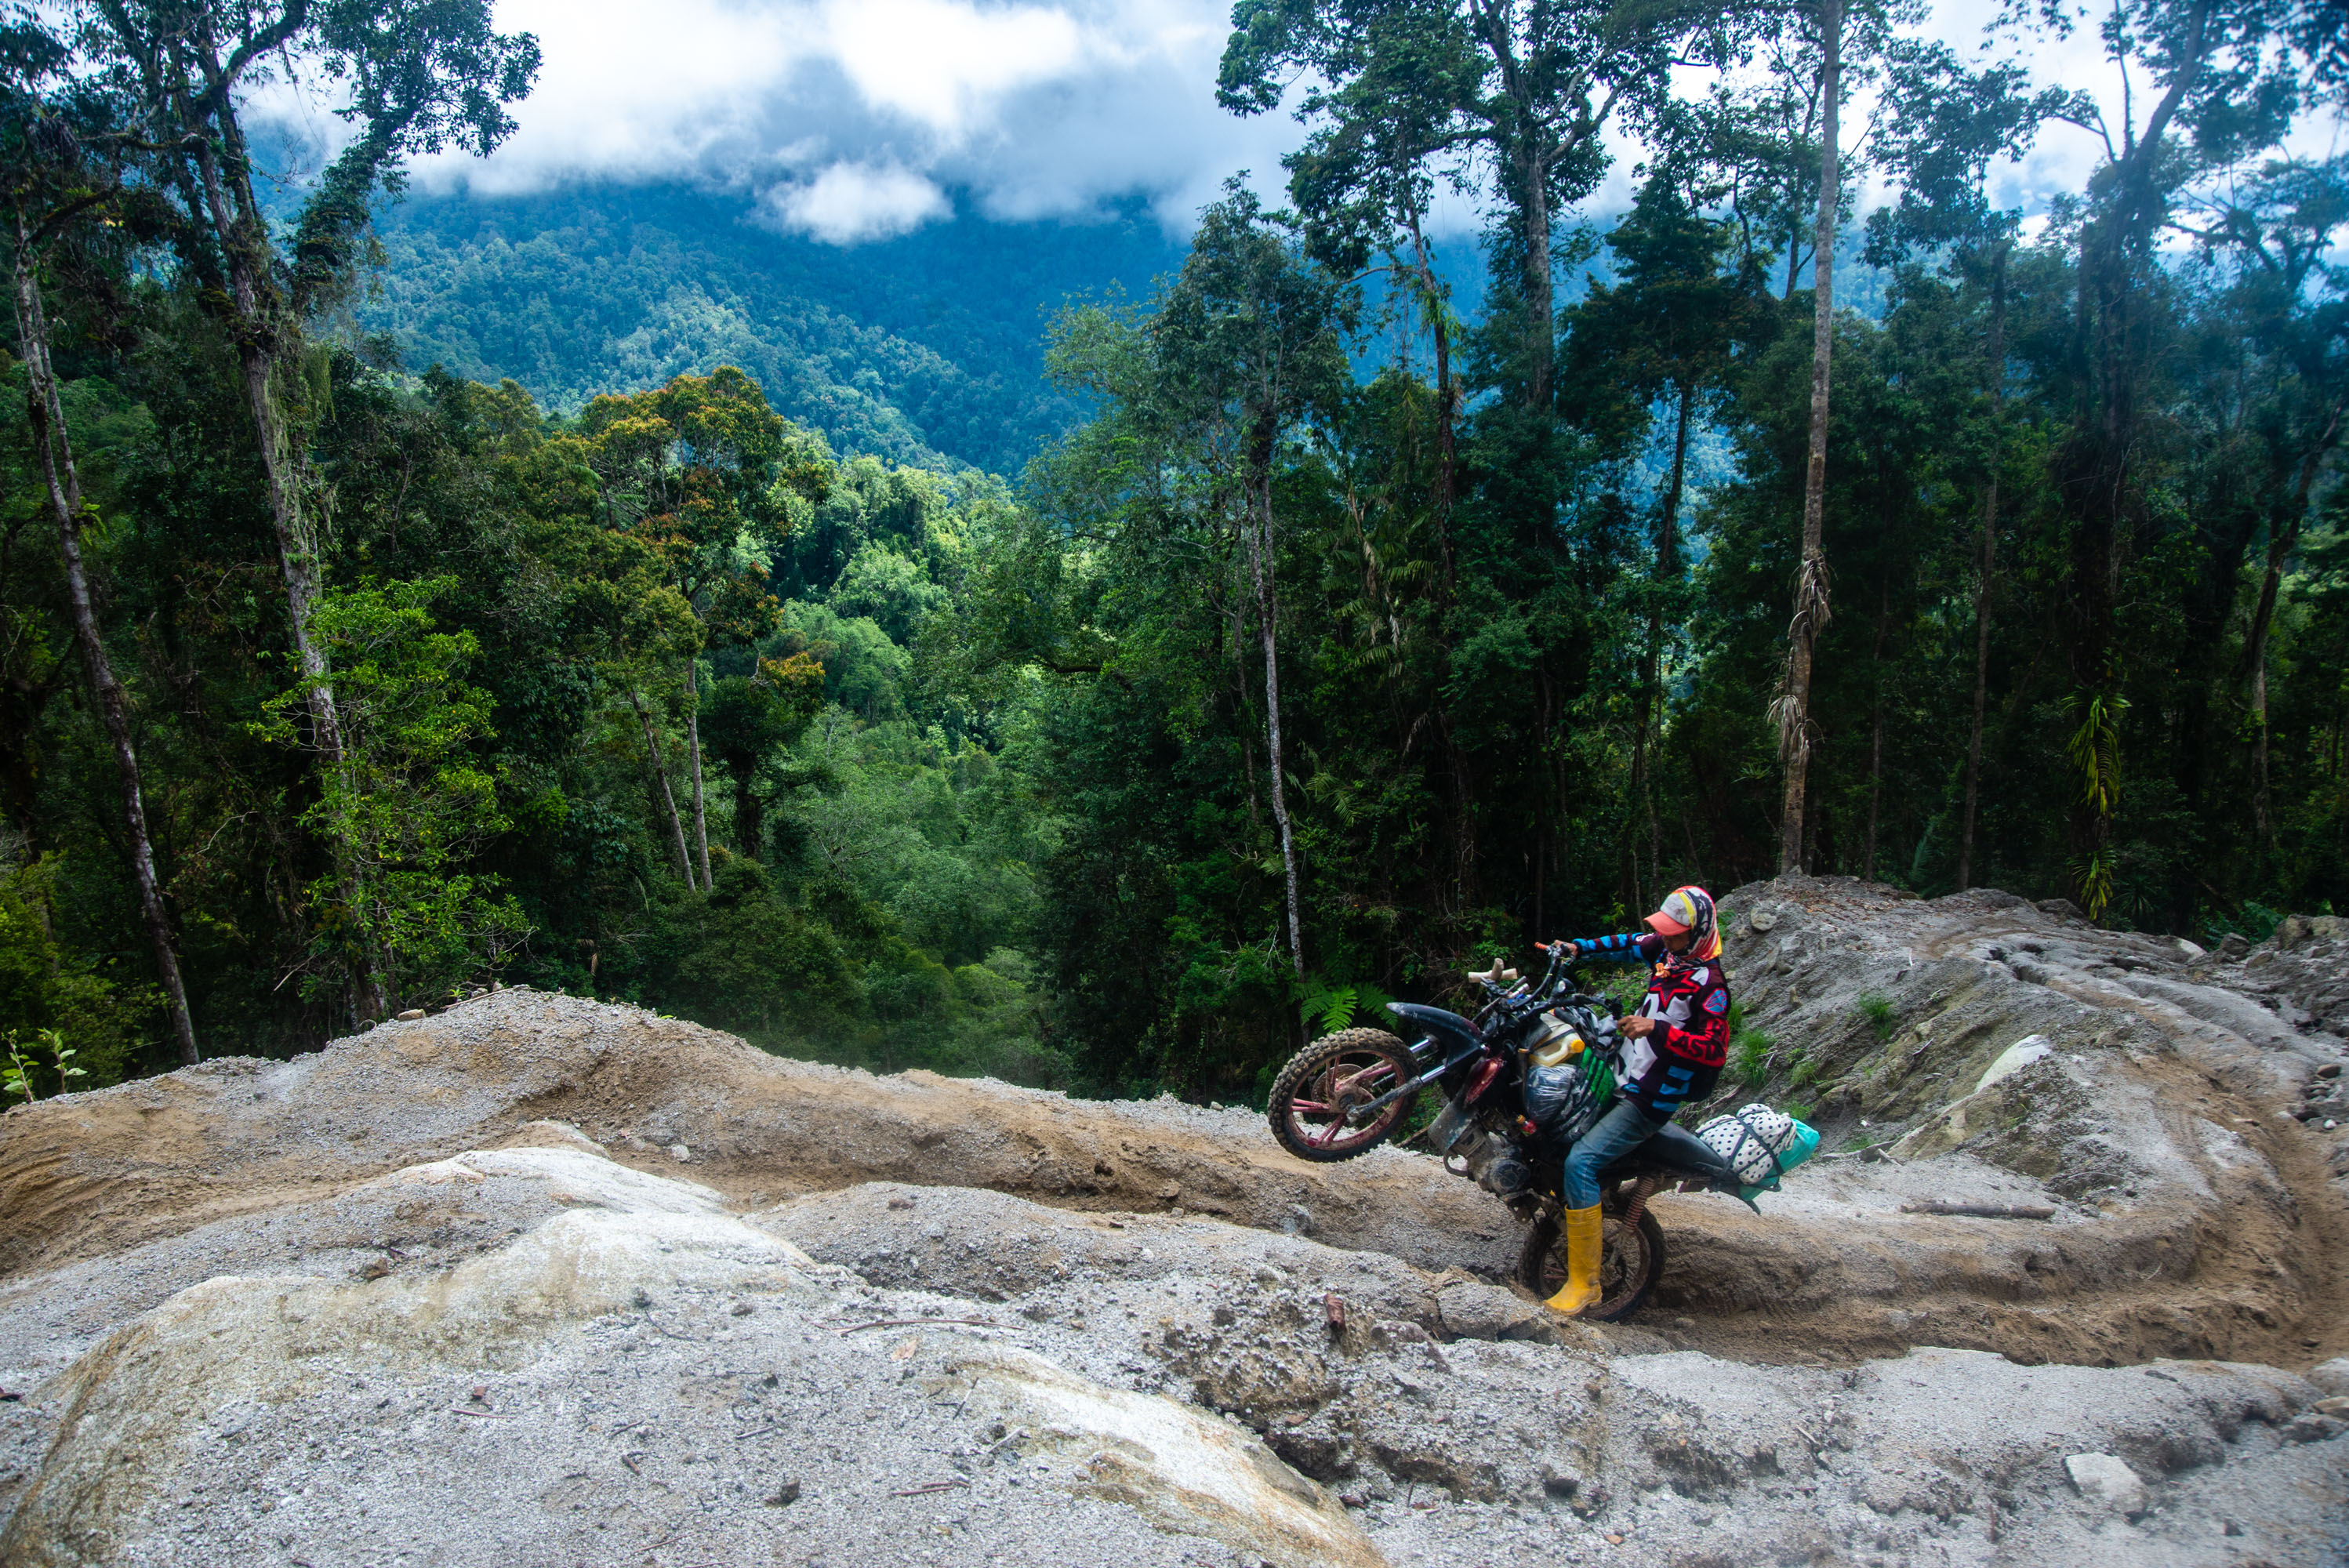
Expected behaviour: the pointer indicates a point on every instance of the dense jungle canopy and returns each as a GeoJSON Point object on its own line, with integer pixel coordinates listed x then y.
{"type": "Point", "coordinates": [1112, 698]}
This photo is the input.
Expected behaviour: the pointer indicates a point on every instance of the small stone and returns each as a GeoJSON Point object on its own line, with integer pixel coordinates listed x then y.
{"type": "Point", "coordinates": [742, 1309]}
{"type": "Point", "coordinates": [1353, 1499]}
{"type": "Point", "coordinates": [2231, 1528]}
{"type": "Point", "coordinates": [784, 1495]}
{"type": "Point", "coordinates": [901, 1201]}
{"type": "Point", "coordinates": [1762, 920]}
{"type": "Point", "coordinates": [411, 1013]}
{"type": "Point", "coordinates": [2101, 1478]}
{"type": "Point", "coordinates": [679, 1152]}
{"type": "Point", "coordinates": [2312, 1427]}
{"type": "Point", "coordinates": [2336, 1406]}
{"type": "Point", "coordinates": [374, 1268]}
{"type": "Point", "coordinates": [1170, 1191]}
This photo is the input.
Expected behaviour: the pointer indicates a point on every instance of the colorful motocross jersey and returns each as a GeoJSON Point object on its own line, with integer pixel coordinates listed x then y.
{"type": "Point", "coordinates": [1689, 998]}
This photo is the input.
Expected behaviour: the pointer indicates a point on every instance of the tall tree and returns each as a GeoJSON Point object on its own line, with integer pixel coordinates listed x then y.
{"type": "Point", "coordinates": [1248, 344]}
{"type": "Point", "coordinates": [1522, 94]}
{"type": "Point", "coordinates": [57, 194]}
{"type": "Point", "coordinates": [1943, 126]}
{"type": "Point", "coordinates": [1662, 335]}
{"type": "Point", "coordinates": [1811, 601]}
{"type": "Point", "coordinates": [706, 473]}
{"type": "Point", "coordinates": [419, 76]}
{"type": "Point", "coordinates": [2224, 84]}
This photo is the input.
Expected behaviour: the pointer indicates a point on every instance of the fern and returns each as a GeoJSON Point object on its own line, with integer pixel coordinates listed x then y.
{"type": "Point", "coordinates": [1327, 1008]}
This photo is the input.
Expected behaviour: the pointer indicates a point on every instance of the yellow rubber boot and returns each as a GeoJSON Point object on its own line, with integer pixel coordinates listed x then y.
{"type": "Point", "coordinates": [1581, 1287]}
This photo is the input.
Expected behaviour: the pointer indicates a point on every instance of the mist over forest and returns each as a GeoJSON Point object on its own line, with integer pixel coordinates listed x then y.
{"type": "Point", "coordinates": [1102, 656]}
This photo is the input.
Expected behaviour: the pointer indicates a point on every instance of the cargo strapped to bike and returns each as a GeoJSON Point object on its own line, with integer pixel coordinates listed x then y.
{"type": "Point", "coordinates": [1759, 1144]}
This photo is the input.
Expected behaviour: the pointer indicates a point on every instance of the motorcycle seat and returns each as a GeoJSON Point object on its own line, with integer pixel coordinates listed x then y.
{"type": "Point", "coordinates": [1675, 1148]}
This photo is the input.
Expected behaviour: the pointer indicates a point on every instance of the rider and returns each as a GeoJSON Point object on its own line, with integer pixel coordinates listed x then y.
{"type": "Point", "coordinates": [1679, 1038]}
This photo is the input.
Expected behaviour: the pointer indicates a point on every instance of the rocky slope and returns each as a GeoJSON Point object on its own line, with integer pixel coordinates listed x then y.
{"type": "Point", "coordinates": [537, 1280]}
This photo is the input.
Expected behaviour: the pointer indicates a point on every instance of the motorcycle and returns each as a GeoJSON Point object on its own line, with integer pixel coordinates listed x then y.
{"type": "Point", "coordinates": [1347, 1093]}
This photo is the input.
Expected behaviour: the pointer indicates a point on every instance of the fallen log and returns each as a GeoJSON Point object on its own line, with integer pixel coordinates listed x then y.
{"type": "Point", "coordinates": [1981, 1211]}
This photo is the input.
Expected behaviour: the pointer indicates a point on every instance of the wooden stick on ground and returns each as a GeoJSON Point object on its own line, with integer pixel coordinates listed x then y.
{"type": "Point", "coordinates": [1981, 1211]}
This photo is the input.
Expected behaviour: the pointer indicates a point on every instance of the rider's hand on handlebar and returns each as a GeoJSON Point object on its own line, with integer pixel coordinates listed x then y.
{"type": "Point", "coordinates": [1565, 949]}
{"type": "Point", "coordinates": [1638, 1025]}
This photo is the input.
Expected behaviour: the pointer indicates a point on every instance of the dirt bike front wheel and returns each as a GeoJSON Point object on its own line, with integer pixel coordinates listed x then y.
{"type": "Point", "coordinates": [1318, 1100]}
{"type": "Point", "coordinates": [1631, 1261]}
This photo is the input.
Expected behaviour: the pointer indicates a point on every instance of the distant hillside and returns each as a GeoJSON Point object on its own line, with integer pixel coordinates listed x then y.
{"type": "Point", "coordinates": [926, 349]}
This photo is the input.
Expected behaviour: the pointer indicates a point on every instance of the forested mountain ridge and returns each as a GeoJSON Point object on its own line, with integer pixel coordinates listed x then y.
{"type": "Point", "coordinates": [925, 349]}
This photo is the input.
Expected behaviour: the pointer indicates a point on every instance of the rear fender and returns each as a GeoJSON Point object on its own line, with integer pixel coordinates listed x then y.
{"type": "Point", "coordinates": [1452, 1033]}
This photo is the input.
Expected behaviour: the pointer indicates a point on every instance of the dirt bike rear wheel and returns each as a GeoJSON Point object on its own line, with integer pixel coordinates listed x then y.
{"type": "Point", "coordinates": [1630, 1261]}
{"type": "Point", "coordinates": [1319, 1090]}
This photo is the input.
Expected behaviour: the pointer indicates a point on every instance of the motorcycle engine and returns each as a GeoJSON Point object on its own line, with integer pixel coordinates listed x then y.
{"type": "Point", "coordinates": [1494, 1164]}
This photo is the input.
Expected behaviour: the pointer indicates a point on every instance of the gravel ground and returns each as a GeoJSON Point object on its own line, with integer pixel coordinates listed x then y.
{"type": "Point", "coordinates": [900, 1374]}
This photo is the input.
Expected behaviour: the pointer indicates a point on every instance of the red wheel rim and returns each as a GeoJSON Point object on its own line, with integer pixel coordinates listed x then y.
{"type": "Point", "coordinates": [1317, 1114]}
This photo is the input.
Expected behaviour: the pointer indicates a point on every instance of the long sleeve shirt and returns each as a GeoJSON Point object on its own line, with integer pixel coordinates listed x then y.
{"type": "Point", "coordinates": [1689, 1000]}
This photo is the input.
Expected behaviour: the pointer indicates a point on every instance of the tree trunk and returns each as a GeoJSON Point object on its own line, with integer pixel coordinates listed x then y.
{"type": "Point", "coordinates": [693, 750]}
{"type": "Point", "coordinates": [1811, 611]}
{"type": "Point", "coordinates": [54, 442]}
{"type": "Point", "coordinates": [257, 348]}
{"type": "Point", "coordinates": [666, 799]}
{"type": "Point", "coordinates": [1541, 324]}
{"type": "Point", "coordinates": [1447, 459]}
{"type": "Point", "coordinates": [1650, 699]}
{"type": "Point", "coordinates": [1997, 357]}
{"type": "Point", "coordinates": [1876, 737]}
{"type": "Point", "coordinates": [1259, 543]}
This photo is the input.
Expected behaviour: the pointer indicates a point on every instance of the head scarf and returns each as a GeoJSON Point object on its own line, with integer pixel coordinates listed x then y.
{"type": "Point", "coordinates": [1688, 909]}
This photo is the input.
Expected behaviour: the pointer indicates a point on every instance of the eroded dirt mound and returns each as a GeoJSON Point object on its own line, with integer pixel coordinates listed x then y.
{"type": "Point", "coordinates": [1990, 1051]}
{"type": "Point", "coordinates": [2006, 1055]}
{"type": "Point", "coordinates": [92, 1174]}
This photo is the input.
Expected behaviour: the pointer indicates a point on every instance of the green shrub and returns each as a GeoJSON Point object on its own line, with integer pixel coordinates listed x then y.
{"type": "Point", "coordinates": [1878, 1009]}
{"type": "Point", "coordinates": [1748, 1056]}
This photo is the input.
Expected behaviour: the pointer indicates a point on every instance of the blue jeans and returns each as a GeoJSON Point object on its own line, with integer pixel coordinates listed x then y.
{"type": "Point", "coordinates": [1621, 1130]}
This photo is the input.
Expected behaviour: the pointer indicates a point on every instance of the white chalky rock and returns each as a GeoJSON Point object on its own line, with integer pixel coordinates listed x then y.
{"type": "Point", "coordinates": [2015, 1058]}
{"type": "Point", "coordinates": [2101, 1478]}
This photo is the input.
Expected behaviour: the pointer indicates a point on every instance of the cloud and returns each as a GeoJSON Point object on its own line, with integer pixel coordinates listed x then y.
{"type": "Point", "coordinates": [850, 119]}
{"type": "Point", "coordinates": [853, 202]}
{"type": "Point", "coordinates": [945, 65]}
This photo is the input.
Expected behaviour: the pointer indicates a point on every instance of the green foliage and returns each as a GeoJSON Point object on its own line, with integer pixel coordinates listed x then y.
{"type": "Point", "coordinates": [1327, 1007]}
{"type": "Point", "coordinates": [53, 986]}
{"type": "Point", "coordinates": [19, 1075]}
{"type": "Point", "coordinates": [1750, 1052]}
{"type": "Point", "coordinates": [404, 796]}
{"type": "Point", "coordinates": [1881, 1015]}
